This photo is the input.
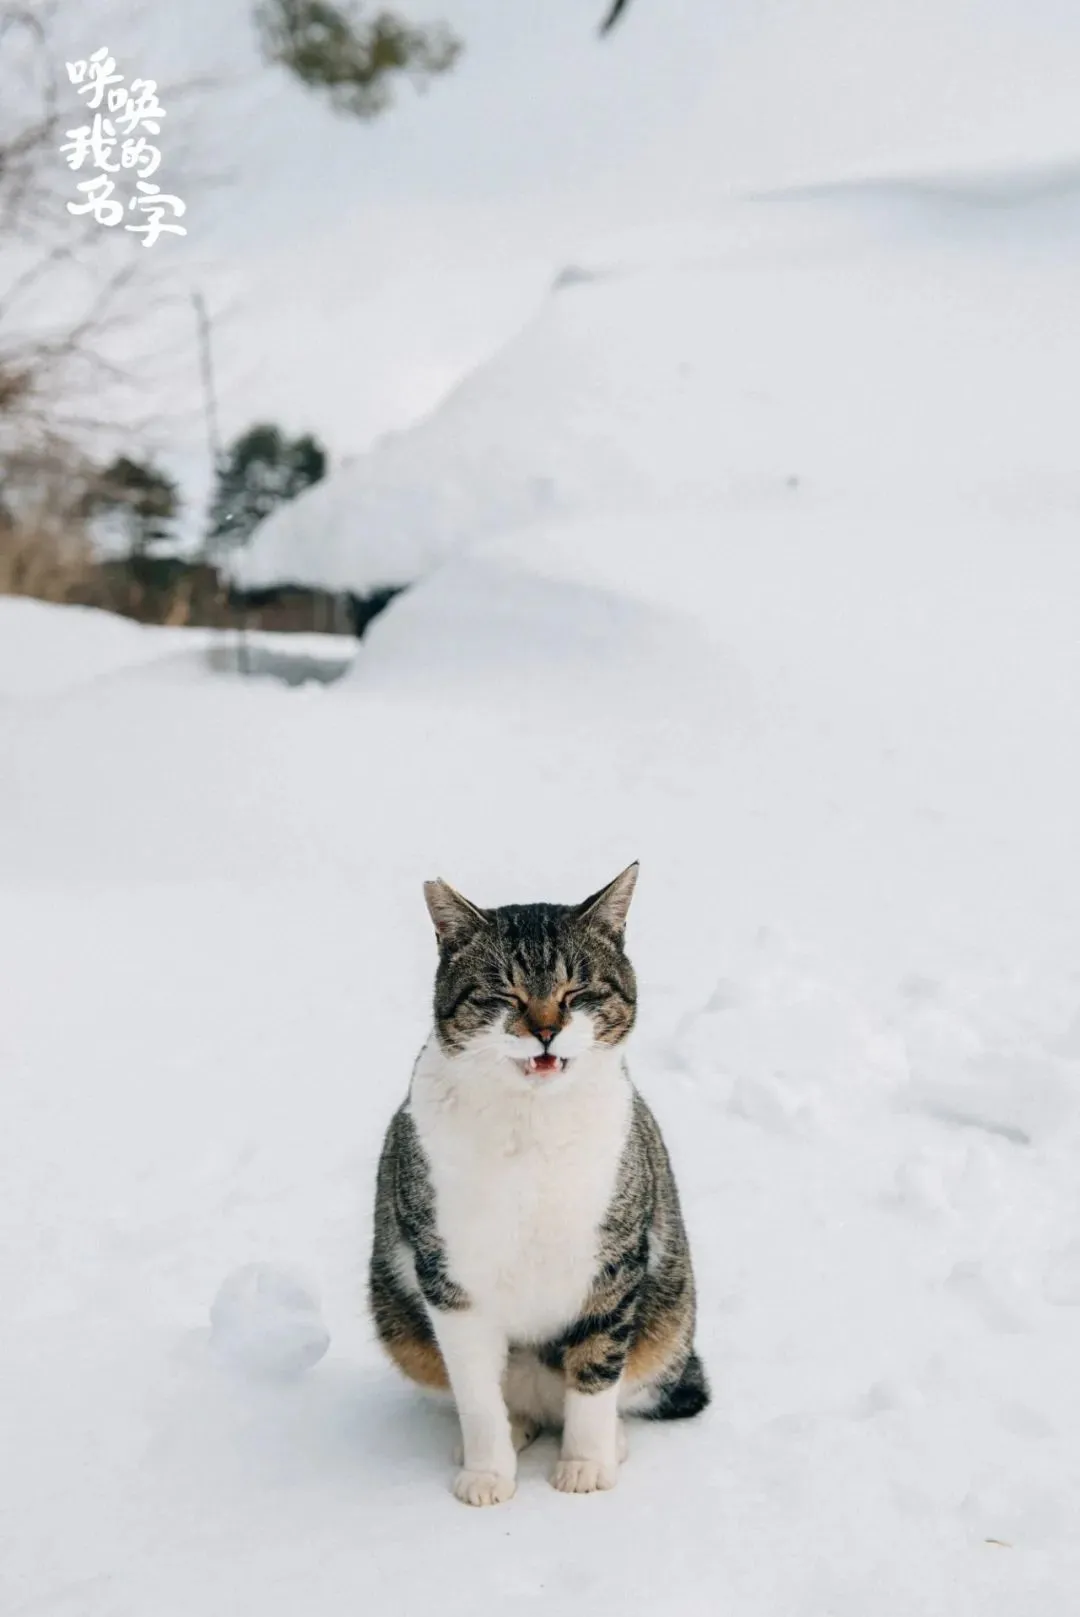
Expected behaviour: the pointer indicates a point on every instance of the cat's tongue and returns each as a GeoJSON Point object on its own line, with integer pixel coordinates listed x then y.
{"type": "Point", "coordinates": [544, 1064]}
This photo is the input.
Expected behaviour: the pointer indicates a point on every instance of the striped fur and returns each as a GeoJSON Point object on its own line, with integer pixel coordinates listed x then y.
{"type": "Point", "coordinates": [529, 1253]}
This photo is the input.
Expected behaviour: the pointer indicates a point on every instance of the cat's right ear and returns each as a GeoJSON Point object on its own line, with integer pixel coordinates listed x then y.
{"type": "Point", "coordinates": [454, 917]}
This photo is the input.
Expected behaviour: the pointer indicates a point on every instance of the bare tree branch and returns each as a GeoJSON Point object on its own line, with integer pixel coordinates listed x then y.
{"type": "Point", "coordinates": [613, 16]}
{"type": "Point", "coordinates": [75, 379]}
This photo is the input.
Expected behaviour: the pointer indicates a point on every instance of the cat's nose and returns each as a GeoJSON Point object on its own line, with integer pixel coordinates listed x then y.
{"type": "Point", "coordinates": [543, 1019]}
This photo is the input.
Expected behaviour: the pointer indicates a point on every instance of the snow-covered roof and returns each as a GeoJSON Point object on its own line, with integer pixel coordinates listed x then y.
{"type": "Point", "coordinates": [730, 368]}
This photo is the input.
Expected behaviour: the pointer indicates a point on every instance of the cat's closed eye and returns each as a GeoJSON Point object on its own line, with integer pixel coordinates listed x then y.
{"type": "Point", "coordinates": [493, 1002]}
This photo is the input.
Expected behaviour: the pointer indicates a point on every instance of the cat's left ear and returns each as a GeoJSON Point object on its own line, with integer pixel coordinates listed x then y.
{"type": "Point", "coordinates": [609, 906]}
{"type": "Point", "coordinates": [455, 918]}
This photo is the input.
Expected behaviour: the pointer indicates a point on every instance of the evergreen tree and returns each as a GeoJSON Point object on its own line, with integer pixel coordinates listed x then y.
{"type": "Point", "coordinates": [260, 471]}
{"type": "Point", "coordinates": [352, 58]}
{"type": "Point", "coordinates": [139, 503]}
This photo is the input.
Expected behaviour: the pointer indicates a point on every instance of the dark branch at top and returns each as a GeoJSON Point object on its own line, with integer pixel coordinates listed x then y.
{"type": "Point", "coordinates": [613, 16]}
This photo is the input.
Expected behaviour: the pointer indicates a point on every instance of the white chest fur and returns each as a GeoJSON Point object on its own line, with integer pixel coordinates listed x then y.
{"type": "Point", "coordinates": [523, 1176]}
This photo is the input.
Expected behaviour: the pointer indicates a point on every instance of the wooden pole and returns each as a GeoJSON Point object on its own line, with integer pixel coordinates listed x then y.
{"type": "Point", "coordinates": [213, 438]}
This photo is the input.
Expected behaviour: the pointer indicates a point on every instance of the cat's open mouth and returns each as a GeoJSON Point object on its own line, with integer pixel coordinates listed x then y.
{"type": "Point", "coordinates": [545, 1066]}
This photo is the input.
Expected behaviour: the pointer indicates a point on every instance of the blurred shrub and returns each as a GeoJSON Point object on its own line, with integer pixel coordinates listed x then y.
{"type": "Point", "coordinates": [351, 58]}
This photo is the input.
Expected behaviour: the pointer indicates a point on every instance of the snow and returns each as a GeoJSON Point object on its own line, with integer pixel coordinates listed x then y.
{"type": "Point", "coordinates": [45, 650]}
{"type": "Point", "coordinates": [837, 724]}
{"type": "Point", "coordinates": [782, 352]}
{"type": "Point", "coordinates": [420, 242]}
{"type": "Point", "coordinates": [265, 1322]}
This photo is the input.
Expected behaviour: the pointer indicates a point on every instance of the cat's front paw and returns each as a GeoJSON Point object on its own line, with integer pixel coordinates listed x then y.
{"type": "Point", "coordinates": [483, 1487]}
{"type": "Point", "coordinates": [584, 1476]}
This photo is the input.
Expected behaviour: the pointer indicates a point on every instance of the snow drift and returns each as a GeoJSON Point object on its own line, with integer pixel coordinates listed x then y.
{"type": "Point", "coordinates": [894, 340]}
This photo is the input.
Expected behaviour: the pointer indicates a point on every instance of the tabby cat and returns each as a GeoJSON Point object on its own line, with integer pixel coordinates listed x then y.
{"type": "Point", "coordinates": [529, 1255]}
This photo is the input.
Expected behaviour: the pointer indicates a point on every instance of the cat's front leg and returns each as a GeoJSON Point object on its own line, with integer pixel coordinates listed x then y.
{"type": "Point", "coordinates": [593, 1364]}
{"type": "Point", "coordinates": [592, 1443]}
{"type": "Point", "coordinates": [474, 1352]}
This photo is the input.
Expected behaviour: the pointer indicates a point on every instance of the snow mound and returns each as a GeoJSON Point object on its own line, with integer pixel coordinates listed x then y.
{"type": "Point", "coordinates": [875, 339]}
{"type": "Point", "coordinates": [511, 626]}
{"type": "Point", "coordinates": [50, 648]}
{"type": "Point", "coordinates": [265, 1322]}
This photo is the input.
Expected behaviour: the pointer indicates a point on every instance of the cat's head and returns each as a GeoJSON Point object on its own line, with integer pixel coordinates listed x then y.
{"type": "Point", "coordinates": [538, 985]}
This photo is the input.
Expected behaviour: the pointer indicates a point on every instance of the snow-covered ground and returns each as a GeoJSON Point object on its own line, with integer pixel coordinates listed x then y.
{"type": "Point", "coordinates": [837, 723]}
{"type": "Point", "coordinates": [45, 651]}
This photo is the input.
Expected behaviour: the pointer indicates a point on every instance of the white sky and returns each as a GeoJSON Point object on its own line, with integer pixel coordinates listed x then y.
{"type": "Point", "coordinates": [356, 270]}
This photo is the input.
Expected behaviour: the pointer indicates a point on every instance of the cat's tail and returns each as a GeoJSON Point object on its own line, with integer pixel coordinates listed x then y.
{"type": "Point", "coordinates": [686, 1396]}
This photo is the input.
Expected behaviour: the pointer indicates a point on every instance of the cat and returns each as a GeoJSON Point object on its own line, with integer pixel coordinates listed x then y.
{"type": "Point", "coordinates": [529, 1253]}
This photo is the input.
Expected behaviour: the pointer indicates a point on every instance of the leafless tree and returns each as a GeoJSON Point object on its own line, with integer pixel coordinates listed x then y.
{"type": "Point", "coordinates": [72, 296]}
